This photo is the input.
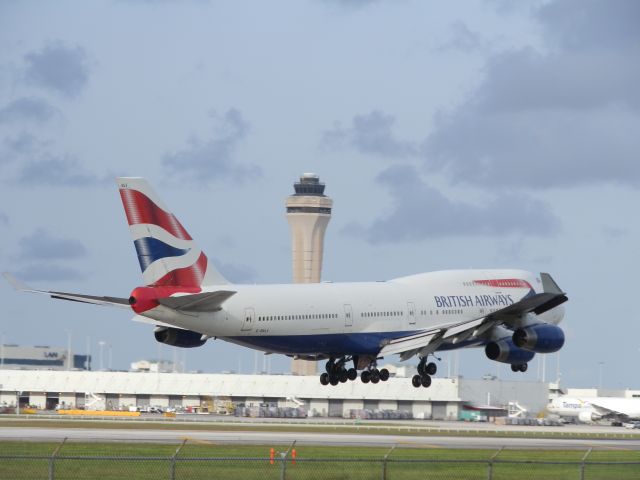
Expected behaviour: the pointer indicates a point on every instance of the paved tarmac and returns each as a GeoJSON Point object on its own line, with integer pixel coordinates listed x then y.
{"type": "Point", "coordinates": [303, 438]}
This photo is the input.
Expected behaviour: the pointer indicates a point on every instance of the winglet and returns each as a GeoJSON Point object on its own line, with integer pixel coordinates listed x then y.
{"type": "Point", "coordinates": [14, 282]}
{"type": "Point", "coordinates": [548, 284]}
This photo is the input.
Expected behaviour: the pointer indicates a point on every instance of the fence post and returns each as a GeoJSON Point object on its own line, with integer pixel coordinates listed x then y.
{"type": "Point", "coordinates": [173, 459]}
{"type": "Point", "coordinates": [384, 462]}
{"type": "Point", "coordinates": [490, 463]}
{"type": "Point", "coordinates": [283, 457]}
{"type": "Point", "coordinates": [52, 459]}
{"type": "Point", "coordinates": [582, 463]}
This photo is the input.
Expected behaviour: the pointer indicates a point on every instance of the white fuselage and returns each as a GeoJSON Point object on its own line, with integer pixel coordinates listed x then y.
{"type": "Point", "coordinates": [596, 407]}
{"type": "Point", "coordinates": [310, 318]}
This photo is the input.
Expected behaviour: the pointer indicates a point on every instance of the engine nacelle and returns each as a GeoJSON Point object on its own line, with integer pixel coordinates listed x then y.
{"type": "Point", "coordinates": [505, 351]}
{"type": "Point", "coordinates": [177, 337]}
{"type": "Point", "coordinates": [587, 416]}
{"type": "Point", "coordinates": [541, 338]}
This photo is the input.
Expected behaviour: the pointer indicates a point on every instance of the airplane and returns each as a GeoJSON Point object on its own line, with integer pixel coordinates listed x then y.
{"type": "Point", "coordinates": [512, 314]}
{"type": "Point", "coordinates": [592, 409]}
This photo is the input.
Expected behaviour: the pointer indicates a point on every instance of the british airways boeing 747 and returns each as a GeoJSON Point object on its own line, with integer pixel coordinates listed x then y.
{"type": "Point", "coordinates": [512, 314]}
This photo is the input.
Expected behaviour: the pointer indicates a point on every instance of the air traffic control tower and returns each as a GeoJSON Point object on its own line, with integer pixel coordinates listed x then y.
{"type": "Point", "coordinates": [308, 213]}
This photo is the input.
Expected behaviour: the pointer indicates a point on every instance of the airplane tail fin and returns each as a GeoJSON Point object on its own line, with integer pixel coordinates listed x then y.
{"type": "Point", "coordinates": [167, 254]}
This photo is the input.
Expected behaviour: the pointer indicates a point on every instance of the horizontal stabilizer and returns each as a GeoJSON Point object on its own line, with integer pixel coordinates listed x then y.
{"type": "Point", "coordinates": [74, 297]}
{"type": "Point", "coordinates": [199, 302]}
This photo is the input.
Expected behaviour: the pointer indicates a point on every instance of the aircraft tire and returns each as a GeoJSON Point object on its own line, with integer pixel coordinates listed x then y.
{"type": "Point", "coordinates": [365, 376]}
{"type": "Point", "coordinates": [343, 376]}
{"type": "Point", "coordinates": [524, 367]}
{"type": "Point", "coordinates": [334, 380]}
{"type": "Point", "coordinates": [324, 379]}
{"type": "Point", "coordinates": [416, 381]}
{"type": "Point", "coordinates": [375, 376]}
{"type": "Point", "coordinates": [515, 368]}
{"type": "Point", "coordinates": [384, 374]}
{"type": "Point", "coordinates": [425, 380]}
{"type": "Point", "coordinates": [431, 368]}
{"type": "Point", "coordinates": [352, 373]}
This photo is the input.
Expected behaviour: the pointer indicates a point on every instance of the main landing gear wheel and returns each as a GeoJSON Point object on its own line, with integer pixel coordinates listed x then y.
{"type": "Point", "coordinates": [375, 376]}
{"type": "Point", "coordinates": [365, 376]}
{"type": "Point", "coordinates": [352, 374]}
{"type": "Point", "coordinates": [324, 379]}
{"type": "Point", "coordinates": [427, 368]}
{"type": "Point", "coordinates": [522, 367]}
{"type": "Point", "coordinates": [421, 381]}
{"type": "Point", "coordinates": [384, 374]}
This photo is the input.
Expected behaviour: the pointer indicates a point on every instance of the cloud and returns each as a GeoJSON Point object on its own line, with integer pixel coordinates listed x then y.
{"type": "Point", "coordinates": [462, 38]}
{"type": "Point", "coordinates": [204, 161]}
{"type": "Point", "coordinates": [4, 219]}
{"type": "Point", "coordinates": [21, 145]}
{"type": "Point", "coordinates": [58, 68]}
{"type": "Point", "coordinates": [351, 3]}
{"type": "Point", "coordinates": [49, 273]}
{"type": "Point", "coordinates": [369, 134]}
{"type": "Point", "coordinates": [56, 172]}
{"type": "Point", "coordinates": [421, 212]}
{"type": "Point", "coordinates": [29, 109]}
{"type": "Point", "coordinates": [42, 246]}
{"type": "Point", "coordinates": [552, 118]}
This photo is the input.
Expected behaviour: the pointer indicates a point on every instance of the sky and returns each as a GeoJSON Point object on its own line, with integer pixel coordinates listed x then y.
{"type": "Point", "coordinates": [472, 134]}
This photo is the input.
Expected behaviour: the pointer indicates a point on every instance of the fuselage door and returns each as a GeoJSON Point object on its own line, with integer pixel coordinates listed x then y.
{"type": "Point", "coordinates": [411, 313]}
{"type": "Point", "coordinates": [348, 315]}
{"type": "Point", "coordinates": [249, 317]}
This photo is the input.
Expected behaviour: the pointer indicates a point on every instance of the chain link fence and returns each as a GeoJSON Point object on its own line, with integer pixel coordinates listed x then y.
{"type": "Point", "coordinates": [63, 463]}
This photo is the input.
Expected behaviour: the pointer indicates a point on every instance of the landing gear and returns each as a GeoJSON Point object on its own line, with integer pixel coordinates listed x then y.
{"type": "Point", "coordinates": [336, 372]}
{"type": "Point", "coordinates": [521, 367]}
{"type": "Point", "coordinates": [425, 370]}
{"type": "Point", "coordinates": [373, 375]}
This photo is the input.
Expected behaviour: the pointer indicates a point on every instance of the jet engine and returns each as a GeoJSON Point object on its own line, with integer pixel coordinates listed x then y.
{"type": "Point", "coordinates": [177, 337]}
{"type": "Point", "coordinates": [541, 338]}
{"type": "Point", "coordinates": [505, 351]}
{"type": "Point", "coordinates": [587, 416]}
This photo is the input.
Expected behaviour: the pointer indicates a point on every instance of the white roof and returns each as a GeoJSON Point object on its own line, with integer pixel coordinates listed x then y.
{"type": "Point", "coordinates": [191, 384]}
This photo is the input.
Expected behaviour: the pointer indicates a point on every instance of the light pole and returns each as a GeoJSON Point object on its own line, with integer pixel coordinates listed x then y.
{"type": "Point", "coordinates": [600, 365]}
{"type": "Point", "coordinates": [101, 344]}
{"type": "Point", "coordinates": [68, 349]}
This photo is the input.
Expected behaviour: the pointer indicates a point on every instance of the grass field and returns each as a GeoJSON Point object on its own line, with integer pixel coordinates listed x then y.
{"type": "Point", "coordinates": [205, 460]}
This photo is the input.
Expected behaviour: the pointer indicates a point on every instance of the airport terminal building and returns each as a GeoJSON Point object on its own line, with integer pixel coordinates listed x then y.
{"type": "Point", "coordinates": [107, 390]}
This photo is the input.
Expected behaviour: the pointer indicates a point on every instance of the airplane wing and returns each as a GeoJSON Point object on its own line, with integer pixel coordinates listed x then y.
{"type": "Point", "coordinates": [74, 297]}
{"type": "Point", "coordinates": [427, 341]}
{"type": "Point", "coordinates": [606, 412]}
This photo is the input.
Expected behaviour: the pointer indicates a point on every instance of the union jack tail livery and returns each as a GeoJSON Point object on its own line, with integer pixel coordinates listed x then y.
{"type": "Point", "coordinates": [167, 254]}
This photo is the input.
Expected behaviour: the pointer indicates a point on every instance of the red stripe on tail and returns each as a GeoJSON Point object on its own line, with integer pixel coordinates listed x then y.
{"type": "Point", "coordinates": [140, 209]}
{"type": "Point", "coordinates": [186, 277]}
